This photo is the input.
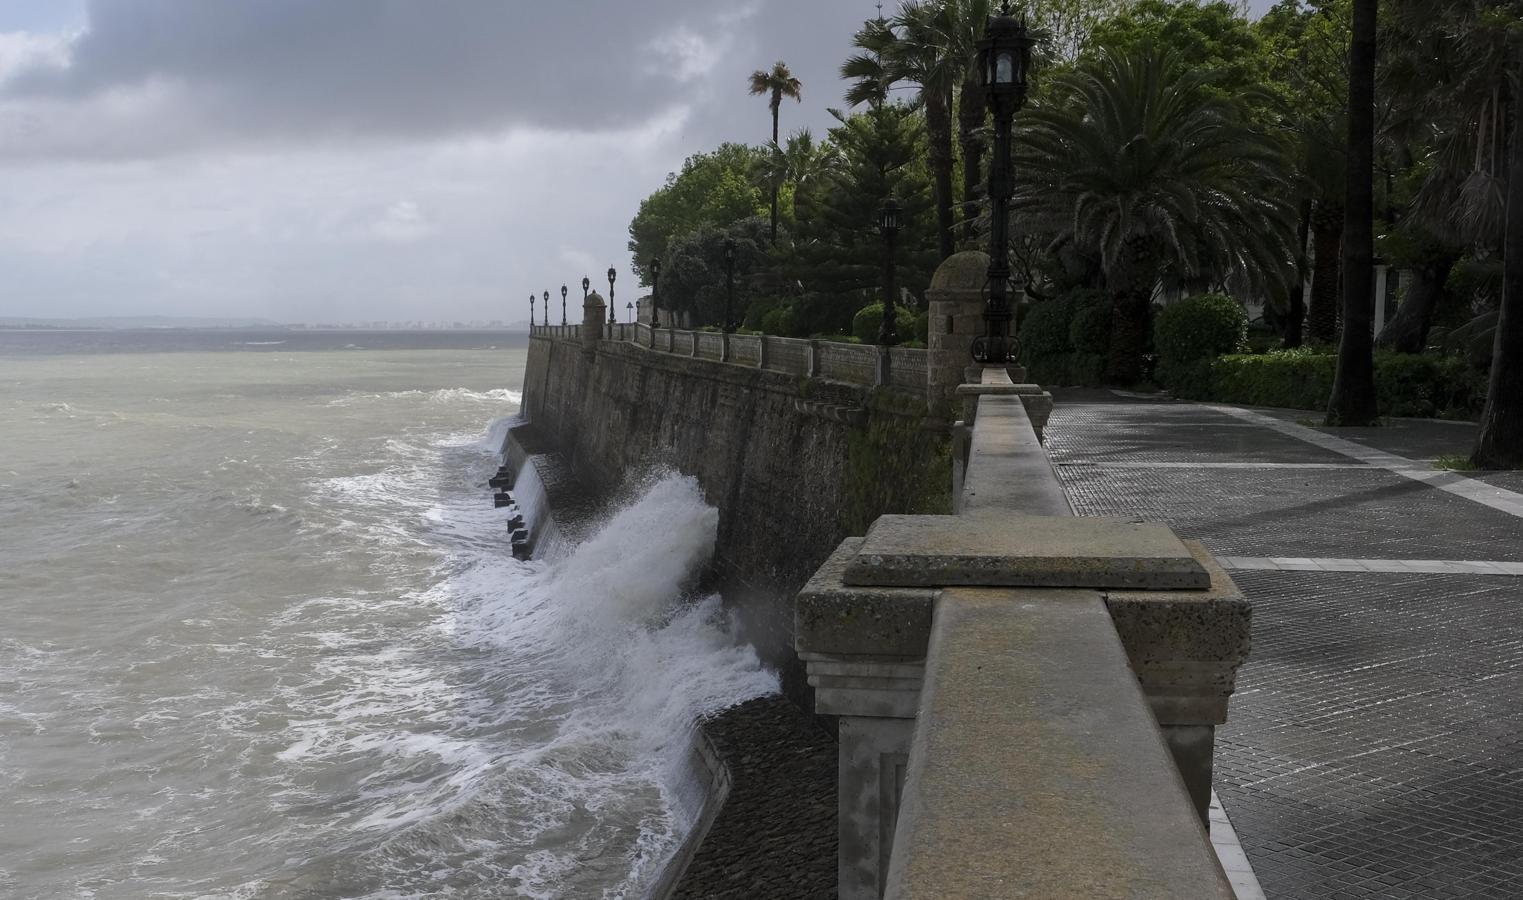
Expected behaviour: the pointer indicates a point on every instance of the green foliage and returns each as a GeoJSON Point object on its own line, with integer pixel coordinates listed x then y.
{"type": "Point", "coordinates": [693, 277]}
{"type": "Point", "coordinates": [1213, 36]}
{"type": "Point", "coordinates": [866, 322]}
{"type": "Point", "coordinates": [832, 261]}
{"type": "Point", "coordinates": [895, 466]}
{"type": "Point", "coordinates": [1195, 329]}
{"type": "Point", "coordinates": [713, 190]}
{"type": "Point", "coordinates": [1406, 384]}
{"type": "Point", "coordinates": [1089, 329]}
{"type": "Point", "coordinates": [1063, 340]}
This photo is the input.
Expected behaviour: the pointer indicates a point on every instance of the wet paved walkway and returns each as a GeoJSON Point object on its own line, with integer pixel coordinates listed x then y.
{"type": "Point", "coordinates": [1375, 747]}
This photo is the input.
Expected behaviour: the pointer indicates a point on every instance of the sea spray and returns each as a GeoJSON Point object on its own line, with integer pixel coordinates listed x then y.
{"type": "Point", "coordinates": [285, 651]}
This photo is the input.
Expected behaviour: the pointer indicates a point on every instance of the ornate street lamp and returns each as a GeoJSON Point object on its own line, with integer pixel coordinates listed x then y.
{"type": "Point", "coordinates": [729, 282]}
{"type": "Point", "coordinates": [586, 285]}
{"type": "Point", "coordinates": [629, 312]}
{"type": "Point", "coordinates": [1004, 58]}
{"type": "Point", "coordinates": [531, 312]}
{"type": "Point", "coordinates": [613, 319]}
{"type": "Point", "coordinates": [655, 287]}
{"type": "Point", "coordinates": [888, 226]}
{"type": "Point", "coordinates": [547, 308]}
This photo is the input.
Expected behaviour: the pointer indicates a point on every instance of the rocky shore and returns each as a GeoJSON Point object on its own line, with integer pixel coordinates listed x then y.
{"type": "Point", "coordinates": [775, 836]}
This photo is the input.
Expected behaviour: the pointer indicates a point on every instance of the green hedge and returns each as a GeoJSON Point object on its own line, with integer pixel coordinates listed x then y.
{"type": "Point", "coordinates": [1406, 384]}
{"type": "Point", "coordinates": [1063, 340]}
{"type": "Point", "coordinates": [1194, 330]}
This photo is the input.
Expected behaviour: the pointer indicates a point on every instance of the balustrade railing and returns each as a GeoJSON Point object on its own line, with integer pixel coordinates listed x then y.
{"type": "Point", "coordinates": [860, 364]}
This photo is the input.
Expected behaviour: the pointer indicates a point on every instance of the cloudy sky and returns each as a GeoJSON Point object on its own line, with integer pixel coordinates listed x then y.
{"type": "Point", "coordinates": [365, 159]}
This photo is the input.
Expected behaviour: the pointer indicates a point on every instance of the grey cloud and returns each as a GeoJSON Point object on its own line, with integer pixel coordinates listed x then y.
{"type": "Point", "coordinates": [171, 74]}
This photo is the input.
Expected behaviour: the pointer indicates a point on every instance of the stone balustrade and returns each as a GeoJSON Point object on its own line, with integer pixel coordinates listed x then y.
{"type": "Point", "coordinates": [903, 368]}
{"type": "Point", "coordinates": [1026, 700]}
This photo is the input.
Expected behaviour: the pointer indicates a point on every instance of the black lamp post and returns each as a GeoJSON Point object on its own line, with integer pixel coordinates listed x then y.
{"type": "Point", "coordinates": [1004, 58]}
{"type": "Point", "coordinates": [613, 319]}
{"type": "Point", "coordinates": [547, 308]}
{"type": "Point", "coordinates": [629, 312]}
{"type": "Point", "coordinates": [888, 226]}
{"type": "Point", "coordinates": [531, 311]}
{"type": "Point", "coordinates": [729, 282]}
{"type": "Point", "coordinates": [655, 291]}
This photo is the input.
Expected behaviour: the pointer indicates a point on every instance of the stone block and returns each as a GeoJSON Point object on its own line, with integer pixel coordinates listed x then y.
{"type": "Point", "coordinates": [1023, 551]}
{"type": "Point", "coordinates": [832, 618]}
{"type": "Point", "coordinates": [1186, 646]}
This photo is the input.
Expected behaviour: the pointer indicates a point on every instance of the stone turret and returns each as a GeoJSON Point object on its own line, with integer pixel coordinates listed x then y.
{"type": "Point", "coordinates": [956, 308]}
{"type": "Point", "coordinates": [594, 312]}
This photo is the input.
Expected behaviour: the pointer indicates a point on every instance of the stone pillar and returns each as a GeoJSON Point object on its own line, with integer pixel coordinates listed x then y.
{"type": "Point", "coordinates": [593, 312]}
{"type": "Point", "coordinates": [956, 310]}
{"type": "Point", "coordinates": [866, 671]}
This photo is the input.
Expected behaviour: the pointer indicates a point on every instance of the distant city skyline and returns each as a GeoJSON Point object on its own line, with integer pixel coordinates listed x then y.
{"type": "Point", "coordinates": [355, 160]}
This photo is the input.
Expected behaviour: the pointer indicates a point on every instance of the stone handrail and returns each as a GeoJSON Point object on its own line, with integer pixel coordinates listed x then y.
{"type": "Point", "coordinates": [1026, 700]}
{"type": "Point", "coordinates": [867, 365]}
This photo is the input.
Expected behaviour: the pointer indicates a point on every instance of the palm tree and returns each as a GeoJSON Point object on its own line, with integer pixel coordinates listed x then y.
{"type": "Point", "coordinates": [1130, 163]}
{"type": "Point", "coordinates": [915, 47]}
{"type": "Point", "coordinates": [1353, 400]}
{"type": "Point", "coordinates": [1500, 442]}
{"type": "Point", "coordinates": [775, 84]}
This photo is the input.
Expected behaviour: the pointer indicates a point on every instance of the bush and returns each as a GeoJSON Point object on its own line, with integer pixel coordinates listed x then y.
{"type": "Point", "coordinates": [866, 322]}
{"type": "Point", "coordinates": [1063, 340]}
{"type": "Point", "coordinates": [1406, 384]}
{"type": "Point", "coordinates": [1089, 329]}
{"type": "Point", "coordinates": [1193, 331]}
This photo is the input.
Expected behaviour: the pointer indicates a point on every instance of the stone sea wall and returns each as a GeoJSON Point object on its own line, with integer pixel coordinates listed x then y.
{"type": "Point", "coordinates": [792, 464]}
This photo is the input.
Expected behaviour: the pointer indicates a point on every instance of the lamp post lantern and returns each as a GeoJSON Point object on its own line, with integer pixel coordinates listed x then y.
{"type": "Point", "coordinates": [531, 312]}
{"type": "Point", "coordinates": [729, 282]}
{"type": "Point", "coordinates": [1004, 58]}
{"type": "Point", "coordinates": [629, 312]}
{"type": "Point", "coordinates": [888, 226]}
{"type": "Point", "coordinates": [655, 292]}
{"type": "Point", "coordinates": [613, 318]}
{"type": "Point", "coordinates": [586, 285]}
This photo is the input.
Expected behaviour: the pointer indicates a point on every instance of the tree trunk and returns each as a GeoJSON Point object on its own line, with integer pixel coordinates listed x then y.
{"type": "Point", "coordinates": [1131, 287]}
{"type": "Point", "coordinates": [1500, 442]}
{"type": "Point", "coordinates": [772, 233]}
{"type": "Point", "coordinates": [1407, 332]}
{"type": "Point", "coordinates": [970, 118]}
{"type": "Point", "coordinates": [1327, 235]}
{"type": "Point", "coordinates": [1294, 320]}
{"type": "Point", "coordinates": [938, 125]}
{"type": "Point", "coordinates": [1353, 401]}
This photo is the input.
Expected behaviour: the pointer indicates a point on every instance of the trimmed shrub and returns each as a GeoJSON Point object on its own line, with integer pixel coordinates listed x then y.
{"type": "Point", "coordinates": [1423, 385]}
{"type": "Point", "coordinates": [1194, 330]}
{"type": "Point", "coordinates": [866, 322]}
{"type": "Point", "coordinates": [1063, 340]}
{"type": "Point", "coordinates": [1089, 328]}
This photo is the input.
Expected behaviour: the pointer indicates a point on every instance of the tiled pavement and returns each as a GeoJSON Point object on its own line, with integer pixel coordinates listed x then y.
{"type": "Point", "coordinates": [1375, 747]}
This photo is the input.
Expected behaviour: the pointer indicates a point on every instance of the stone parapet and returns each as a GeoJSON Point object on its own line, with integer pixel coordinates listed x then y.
{"type": "Point", "coordinates": [1026, 701]}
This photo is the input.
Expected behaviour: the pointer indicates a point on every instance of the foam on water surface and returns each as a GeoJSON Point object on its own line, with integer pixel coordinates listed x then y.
{"type": "Point", "coordinates": [294, 657]}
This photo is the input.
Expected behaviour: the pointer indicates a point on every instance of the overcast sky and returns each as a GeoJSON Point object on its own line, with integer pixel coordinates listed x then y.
{"type": "Point", "coordinates": [365, 159]}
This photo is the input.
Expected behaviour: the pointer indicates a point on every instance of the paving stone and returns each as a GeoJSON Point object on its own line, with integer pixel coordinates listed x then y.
{"type": "Point", "coordinates": [1375, 743]}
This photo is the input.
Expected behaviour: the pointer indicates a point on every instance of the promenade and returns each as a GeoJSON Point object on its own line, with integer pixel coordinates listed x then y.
{"type": "Point", "coordinates": [1375, 743]}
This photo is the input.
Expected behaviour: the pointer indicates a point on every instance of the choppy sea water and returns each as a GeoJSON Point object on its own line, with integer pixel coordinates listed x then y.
{"type": "Point", "coordinates": [261, 636]}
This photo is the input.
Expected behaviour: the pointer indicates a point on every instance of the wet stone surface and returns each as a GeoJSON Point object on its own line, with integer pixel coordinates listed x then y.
{"type": "Point", "coordinates": [1375, 743]}
{"type": "Point", "coordinates": [775, 836]}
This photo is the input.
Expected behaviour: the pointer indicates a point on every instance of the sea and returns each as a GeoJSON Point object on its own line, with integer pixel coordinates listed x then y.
{"type": "Point", "coordinates": [262, 634]}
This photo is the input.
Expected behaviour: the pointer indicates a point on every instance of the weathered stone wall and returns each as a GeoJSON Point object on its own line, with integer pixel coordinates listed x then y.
{"type": "Point", "coordinates": [793, 465]}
